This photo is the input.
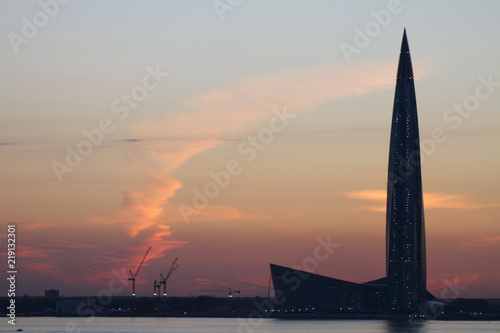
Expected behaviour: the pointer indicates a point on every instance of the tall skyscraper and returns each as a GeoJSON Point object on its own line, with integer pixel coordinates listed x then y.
{"type": "Point", "coordinates": [404, 287]}
{"type": "Point", "coordinates": [405, 229]}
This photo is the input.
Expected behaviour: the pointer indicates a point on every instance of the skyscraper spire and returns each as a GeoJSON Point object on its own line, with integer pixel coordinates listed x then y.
{"type": "Point", "coordinates": [405, 70]}
{"type": "Point", "coordinates": [405, 230]}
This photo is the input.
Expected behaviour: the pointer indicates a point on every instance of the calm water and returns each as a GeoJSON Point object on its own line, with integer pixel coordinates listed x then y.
{"type": "Point", "coordinates": [218, 325]}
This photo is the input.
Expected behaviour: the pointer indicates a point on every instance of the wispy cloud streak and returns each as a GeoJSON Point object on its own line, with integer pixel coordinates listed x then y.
{"type": "Point", "coordinates": [434, 200]}
{"type": "Point", "coordinates": [203, 123]}
{"type": "Point", "coordinates": [231, 111]}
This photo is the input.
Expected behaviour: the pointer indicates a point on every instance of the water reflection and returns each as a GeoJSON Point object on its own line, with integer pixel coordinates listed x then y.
{"type": "Point", "coordinates": [405, 326]}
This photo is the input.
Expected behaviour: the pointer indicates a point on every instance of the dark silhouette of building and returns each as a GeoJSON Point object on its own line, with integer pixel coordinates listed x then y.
{"type": "Point", "coordinates": [308, 292]}
{"type": "Point", "coordinates": [404, 288]}
{"type": "Point", "coordinates": [52, 293]}
{"type": "Point", "coordinates": [405, 248]}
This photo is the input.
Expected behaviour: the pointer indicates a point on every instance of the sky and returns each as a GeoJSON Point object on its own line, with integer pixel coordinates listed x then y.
{"type": "Point", "coordinates": [234, 134]}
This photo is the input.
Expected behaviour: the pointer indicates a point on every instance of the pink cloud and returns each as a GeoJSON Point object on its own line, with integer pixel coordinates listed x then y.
{"type": "Point", "coordinates": [485, 242]}
{"type": "Point", "coordinates": [261, 282]}
{"type": "Point", "coordinates": [204, 121]}
{"type": "Point", "coordinates": [200, 124]}
{"type": "Point", "coordinates": [67, 245]}
{"type": "Point", "coordinates": [34, 270]}
{"type": "Point", "coordinates": [449, 286]}
{"type": "Point", "coordinates": [32, 252]}
{"type": "Point", "coordinates": [208, 281]}
{"type": "Point", "coordinates": [33, 226]}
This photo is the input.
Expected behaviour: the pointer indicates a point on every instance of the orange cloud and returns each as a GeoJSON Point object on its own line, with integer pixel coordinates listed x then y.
{"type": "Point", "coordinates": [203, 123]}
{"type": "Point", "coordinates": [370, 195]}
{"type": "Point", "coordinates": [32, 252]}
{"type": "Point", "coordinates": [431, 200]}
{"type": "Point", "coordinates": [40, 267]}
{"type": "Point", "coordinates": [44, 250]}
{"type": "Point", "coordinates": [66, 245]}
{"type": "Point", "coordinates": [237, 109]}
{"type": "Point", "coordinates": [33, 226]}
{"type": "Point", "coordinates": [485, 242]}
{"type": "Point", "coordinates": [208, 281]}
{"type": "Point", "coordinates": [262, 282]}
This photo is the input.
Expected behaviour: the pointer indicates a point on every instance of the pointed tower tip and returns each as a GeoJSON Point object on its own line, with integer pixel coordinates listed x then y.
{"type": "Point", "coordinates": [405, 71]}
{"type": "Point", "coordinates": [404, 44]}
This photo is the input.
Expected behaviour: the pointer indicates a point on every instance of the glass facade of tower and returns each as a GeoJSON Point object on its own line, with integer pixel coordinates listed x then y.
{"type": "Point", "coordinates": [405, 228]}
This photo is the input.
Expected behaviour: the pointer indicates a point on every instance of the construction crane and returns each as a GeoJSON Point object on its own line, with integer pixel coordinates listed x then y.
{"type": "Point", "coordinates": [133, 275]}
{"type": "Point", "coordinates": [229, 291]}
{"type": "Point", "coordinates": [156, 288]}
{"type": "Point", "coordinates": [164, 279]}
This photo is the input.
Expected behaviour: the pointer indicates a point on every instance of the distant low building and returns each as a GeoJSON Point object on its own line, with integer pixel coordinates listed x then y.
{"type": "Point", "coordinates": [72, 307]}
{"type": "Point", "coordinates": [52, 293]}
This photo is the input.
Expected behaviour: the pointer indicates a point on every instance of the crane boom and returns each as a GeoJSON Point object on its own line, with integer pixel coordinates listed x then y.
{"type": "Point", "coordinates": [170, 271]}
{"type": "Point", "coordinates": [142, 262]}
{"type": "Point", "coordinates": [132, 276]}
{"type": "Point", "coordinates": [164, 279]}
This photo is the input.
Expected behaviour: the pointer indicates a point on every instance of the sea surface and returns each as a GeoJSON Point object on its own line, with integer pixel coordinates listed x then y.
{"type": "Point", "coordinates": [232, 325]}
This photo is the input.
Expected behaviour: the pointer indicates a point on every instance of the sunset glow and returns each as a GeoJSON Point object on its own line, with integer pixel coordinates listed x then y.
{"type": "Point", "coordinates": [231, 144]}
